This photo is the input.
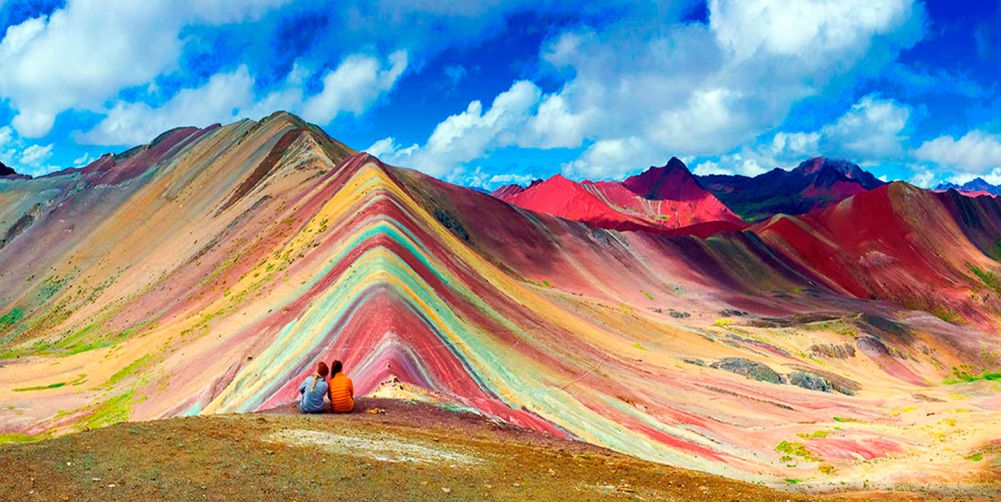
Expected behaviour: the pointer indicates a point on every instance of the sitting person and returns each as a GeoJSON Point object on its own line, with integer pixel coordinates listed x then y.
{"type": "Point", "coordinates": [313, 388]}
{"type": "Point", "coordinates": [342, 390]}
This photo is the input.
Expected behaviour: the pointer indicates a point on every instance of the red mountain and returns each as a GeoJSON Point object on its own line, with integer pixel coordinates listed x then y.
{"type": "Point", "coordinates": [878, 244]}
{"type": "Point", "coordinates": [663, 199]}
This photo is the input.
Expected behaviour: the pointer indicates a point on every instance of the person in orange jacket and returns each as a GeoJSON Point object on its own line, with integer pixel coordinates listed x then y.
{"type": "Point", "coordinates": [342, 390]}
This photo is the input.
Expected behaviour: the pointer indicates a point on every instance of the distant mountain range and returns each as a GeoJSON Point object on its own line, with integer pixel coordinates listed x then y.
{"type": "Point", "coordinates": [815, 184]}
{"type": "Point", "coordinates": [661, 199]}
{"type": "Point", "coordinates": [672, 200]}
{"type": "Point", "coordinates": [976, 186]}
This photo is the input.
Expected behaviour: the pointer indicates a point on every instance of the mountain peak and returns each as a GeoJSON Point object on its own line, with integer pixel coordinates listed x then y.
{"type": "Point", "coordinates": [6, 171]}
{"type": "Point", "coordinates": [833, 169]}
{"type": "Point", "coordinates": [670, 181]}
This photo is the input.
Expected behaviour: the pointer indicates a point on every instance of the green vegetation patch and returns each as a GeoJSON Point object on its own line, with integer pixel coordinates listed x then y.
{"type": "Point", "coordinates": [50, 286]}
{"type": "Point", "coordinates": [814, 434]}
{"type": "Point", "coordinates": [12, 317]}
{"type": "Point", "coordinates": [962, 376]}
{"type": "Point", "coordinates": [796, 449]}
{"type": "Point", "coordinates": [722, 322]}
{"type": "Point", "coordinates": [41, 387]}
{"type": "Point", "coordinates": [976, 457]}
{"type": "Point", "coordinates": [115, 410]}
{"type": "Point", "coordinates": [129, 370]}
{"type": "Point", "coordinates": [988, 277]}
{"type": "Point", "coordinates": [85, 340]}
{"type": "Point", "coordinates": [19, 438]}
{"type": "Point", "coordinates": [947, 315]}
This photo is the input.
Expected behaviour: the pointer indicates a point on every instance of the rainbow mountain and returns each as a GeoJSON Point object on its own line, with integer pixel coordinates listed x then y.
{"type": "Point", "coordinates": [208, 271]}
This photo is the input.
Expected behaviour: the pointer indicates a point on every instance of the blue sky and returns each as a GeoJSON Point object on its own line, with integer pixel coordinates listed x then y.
{"type": "Point", "coordinates": [485, 93]}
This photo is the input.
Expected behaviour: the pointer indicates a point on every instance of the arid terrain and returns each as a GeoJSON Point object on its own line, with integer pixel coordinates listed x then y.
{"type": "Point", "coordinates": [390, 449]}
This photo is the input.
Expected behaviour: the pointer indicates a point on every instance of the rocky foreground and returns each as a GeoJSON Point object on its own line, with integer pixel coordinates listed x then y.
{"type": "Point", "coordinates": [389, 450]}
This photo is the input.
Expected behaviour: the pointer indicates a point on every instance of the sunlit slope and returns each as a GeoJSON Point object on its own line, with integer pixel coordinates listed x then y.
{"type": "Point", "coordinates": [212, 276]}
{"type": "Point", "coordinates": [928, 251]}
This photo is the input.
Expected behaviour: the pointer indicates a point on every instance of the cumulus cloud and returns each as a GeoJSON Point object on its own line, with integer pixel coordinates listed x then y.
{"type": "Point", "coordinates": [616, 155]}
{"type": "Point", "coordinates": [467, 135]}
{"type": "Point", "coordinates": [872, 129]}
{"type": "Point", "coordinates": [924, 178]}
{"type": "Point", "coordinates": [218, 100]}
{"type": "Point", "coordinates": [86, 52]}
{"type": "Point", "coordinates": [479, 178]}
{"type": "Point", "coordinates": [975, 152]}
{"type": "Point", "coordinates": [640, 91]}
{"type": "Point", "coordinates": [354, 85]}
{"type": "Point", "coordinates": [34, 155]}
{"type": "Point", "coordinates": [6, 135]}
{"type": "Point", "coordinates": [808, 29]}
{"type": "Point", "coordinates": [993, 177]}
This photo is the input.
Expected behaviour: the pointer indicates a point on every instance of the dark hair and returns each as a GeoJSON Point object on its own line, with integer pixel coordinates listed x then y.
{"type": "Point", "coordinates": [336, 367]}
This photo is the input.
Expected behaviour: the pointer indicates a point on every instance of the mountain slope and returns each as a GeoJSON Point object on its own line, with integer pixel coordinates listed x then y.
{"type": "Point", "coordinates": [660, 199]}
{"type": "Point", "coordinates": [875, 244]}
{"type": "Point", "coordinates": [208, 272]}
{"type": "Point", "coordinates": [814, 184]}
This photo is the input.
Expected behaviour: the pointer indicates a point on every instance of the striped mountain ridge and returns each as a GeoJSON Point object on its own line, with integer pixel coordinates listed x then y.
{"type": "Point", "coordinates": [208, 271]}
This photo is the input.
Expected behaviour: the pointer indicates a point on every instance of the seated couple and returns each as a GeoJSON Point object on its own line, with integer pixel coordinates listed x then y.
{"type": "Point", "coordinates": [339, 390]}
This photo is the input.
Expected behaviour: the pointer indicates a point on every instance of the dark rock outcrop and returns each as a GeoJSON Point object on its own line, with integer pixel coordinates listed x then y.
{"type": "Point", "coordinates": [833, 350]}
{"type": "Point", "coordinates": [809, 381]}
{"type": "Point", "coordinates": [750, 369]}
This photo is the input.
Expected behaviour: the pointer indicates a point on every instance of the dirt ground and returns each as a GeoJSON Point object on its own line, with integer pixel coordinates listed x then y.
{"type": "Point", "coordinates": [388, 450]}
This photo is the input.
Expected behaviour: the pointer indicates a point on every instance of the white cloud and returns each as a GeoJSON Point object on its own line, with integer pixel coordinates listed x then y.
{"type": "Point", "coordinates": [389, 151]}
{"type": "Point", "coordinates": [353, 86]}
{"type": "Point", "coordinates": [796, 144]}
{"type": "Point", "coordinates": [924, 178]}
{"type": "Point", "coordinates": [82, 160]}
{"type": "Point", "coordinates": [218, 100]}
{"type": "Point", "coordinates": [805, 30]}
{"type": "Point", "coordinates": [705, 90]}
{"type": "Point", "coordinates": [6, 135]}
{"type": "Point", "coordinates": [468, 135]}
{"type": "Point", "coordinates": [479, 178]}
{"type": "Point", "coordinates": [872, 129]}
{"type": "Point", "coordinates": [34, 155]}
{"type": "Point", "coordinates": [607, 158]}
{"type": "Point", "coordinates": [639, 91]}
{"type": "Point", "coordinates": [709, 167]}
{"type": "Point", "coordinates": [554, 126]}
{"type": "Point", "coordinates": [86, 52]}
{"type": "Point", "coordinates": [976, 152]}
